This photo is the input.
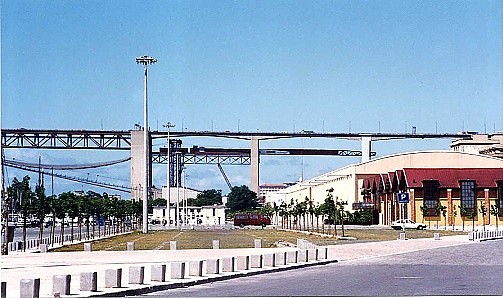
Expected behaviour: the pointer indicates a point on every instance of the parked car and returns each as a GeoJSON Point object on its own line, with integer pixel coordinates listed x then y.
{"type": "Point", "coordinates": [251, 220]}
{"type": "Point", "coordinates": [407, 224]}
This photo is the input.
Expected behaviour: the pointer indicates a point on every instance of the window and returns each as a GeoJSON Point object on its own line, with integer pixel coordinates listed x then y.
{"type": "Point", "coordinates": [500, 197]}
{"type": "Point", "coordinates": [468, 197]}
{"type": "Point", "coordinates": [431, 197]}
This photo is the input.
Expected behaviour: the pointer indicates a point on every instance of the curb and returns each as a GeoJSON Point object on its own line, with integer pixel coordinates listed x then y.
{"type": "Point", "coordinates": [183, 284]}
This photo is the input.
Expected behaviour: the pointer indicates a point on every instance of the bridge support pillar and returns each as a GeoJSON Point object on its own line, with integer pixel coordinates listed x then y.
{"type": "Point", "coordinates": [255, 168]}
{"type": "Point", "coordinates": [366, 148]}
{"type": "Point", "coordinates": [138, 165]}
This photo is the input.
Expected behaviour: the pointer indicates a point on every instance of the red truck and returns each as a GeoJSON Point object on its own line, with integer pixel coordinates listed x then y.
{"type": "Point", "coordinates": [253, 219]}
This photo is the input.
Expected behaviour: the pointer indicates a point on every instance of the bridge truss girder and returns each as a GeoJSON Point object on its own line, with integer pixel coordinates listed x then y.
{"type": "Point", "coordinates": [69, 139]}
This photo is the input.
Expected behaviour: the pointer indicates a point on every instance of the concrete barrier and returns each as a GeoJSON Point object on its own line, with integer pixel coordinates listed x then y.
{"type": "Point", "coordinates": [89, 281]}
{"type": "Point", "coordinates": [242, 262]}
{"type": "Point", "coordinates": [228, 264]}
{"type": "Point", "coordinates": [280, 258]}
{"type": "Point", "coordinates": [61, 284]}
{"type": "Point", "coordinates": [130, 246]}
{"type": "Point", "coordinates": [269, 260]}
{"type": "Point", "coordinates": [88, 246]}
{"type": "Point", "coordinates": [172, 245]}
{"type": "Point", "coordinates": [43, 248]}
{"type": "Point", "coordinates": [257, 243]}
{"type": "Point", "coordinates": [256, 261]}
{"type": "Point", "coordinates": [213, 266]}
{"type": "Point", "coordinates": [158, 273]}
{"type": "Point", "coordinates": [29, 288]}
{"type": "Point", "coordinates": [136, 274]}
{"type": "Point", "coordinates": [3, 293]}
{"type": "Point", "coordinates": [292, 256]}
{"type": "Point", "coordinates": [177, 270]}
{"type": "Point", "coordinates": [312, 254]}
{"type": "Point", "coordinates": [196, 268]}
{"type": "Point", "coordinates": [322, 253]}
{"type": "Point", "coordinates": [113, 278]}
{"type": "Point", "coordinates": [216, 244]}
{"type": "Point", "coordinates": [303, 256]}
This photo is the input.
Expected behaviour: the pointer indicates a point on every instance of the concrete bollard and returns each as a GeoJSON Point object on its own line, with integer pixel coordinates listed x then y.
{"type": "Point", "coordinates": [216, 244]}
{"type": "Point", "coordinates": [312, 254]}
{"type": "Point", "coordinates": [269, 260]}
{"type": "Point", "coordinates": [213, 266]}
{"type": "Point", "coordinates": [258, 243]}
{"type": "Point", "coordinates": [4, 290]}
{"type": "Point", "coordinates": [136, 274]}
{"type": "Point", "coordinates": [113, 278]}
{"type": "Point", "coordinates": [61, 284]}
{"type": "Point", "coordinates": [89, 281]}
{"type": "Point", "coordinates": [228, 264]}
{"type": "Point", "coordinates": [256, 261]}
{"type": "Point", "coordinates": [158, 273]}
{"type": "Point", "coordinates": [196, 268]}
{"type": "Point", "coordinates": [303, 256]}
{"type": "Point", "coordinates": [280, 258]}
{"type": "Point", "coordinates": [436, 236]}
{"type": "Point", "coordinates": [172, 245]}
{"type": "Point", "coordinates": [88, 246]}
{"type": "Point", "coordinates": [292, 256]}
{"type": "Point", "coordinates": [177, 270]}
{"type": "Point", "coordinates": [322, 253]}
{"type": "Point", "coordinates": [242, 262]}
{"type": "Point", "coordinates": [403, 236]}
{"type": "Point", "coordinates": [29, 288]}
{"type": "Point", "coordinates": [130, 246]}
{"type": "Point", "coordinates": [43, 248]}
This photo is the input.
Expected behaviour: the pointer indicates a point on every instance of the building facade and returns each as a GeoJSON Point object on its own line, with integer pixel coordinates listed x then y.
{"type": "Point", "coordinates": [430, 180]}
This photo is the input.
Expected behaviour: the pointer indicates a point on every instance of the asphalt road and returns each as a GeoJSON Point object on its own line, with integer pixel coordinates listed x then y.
{"type": "Point", "coordinates": [471, 269]}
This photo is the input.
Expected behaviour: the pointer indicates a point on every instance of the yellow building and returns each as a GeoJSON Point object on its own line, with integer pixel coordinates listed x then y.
{"type": "Point", "coordinates": [430, 179]}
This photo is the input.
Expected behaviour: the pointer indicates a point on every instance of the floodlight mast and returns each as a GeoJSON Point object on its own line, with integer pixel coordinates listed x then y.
{"type": "Point", "coordinates": [145, 61]}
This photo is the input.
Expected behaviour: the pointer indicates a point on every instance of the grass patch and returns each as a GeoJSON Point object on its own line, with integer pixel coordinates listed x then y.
{"type": "Point", "coordinates": [240, 238]}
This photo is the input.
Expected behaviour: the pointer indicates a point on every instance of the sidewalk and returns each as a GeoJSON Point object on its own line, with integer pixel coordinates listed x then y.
{"type": "Point", "coordinates": [17, 266]}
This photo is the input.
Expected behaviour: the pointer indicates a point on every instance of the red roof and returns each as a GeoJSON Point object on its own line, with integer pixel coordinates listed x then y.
{"type": "Point", "coordinates": [449, 178]}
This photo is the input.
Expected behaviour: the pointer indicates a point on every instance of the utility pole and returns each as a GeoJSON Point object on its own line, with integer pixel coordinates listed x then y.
{"type": "Point", "coordinates": [145, 61]}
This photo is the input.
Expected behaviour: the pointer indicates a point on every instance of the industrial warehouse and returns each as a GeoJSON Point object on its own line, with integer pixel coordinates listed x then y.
{"type": "Point", "coordinates": [449, 187]}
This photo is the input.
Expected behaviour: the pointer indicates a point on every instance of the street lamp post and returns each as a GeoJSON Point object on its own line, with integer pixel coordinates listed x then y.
{"type": "Point", "coordinates": [145, 61]}
{"type": "Point", "coordinates": [169, 125]}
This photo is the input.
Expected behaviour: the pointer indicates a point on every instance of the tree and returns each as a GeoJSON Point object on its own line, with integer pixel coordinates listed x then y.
{"type": "Point", "coordinates": [40, 208]}
{"type": "Point", "coordinates": [483, 211]}
{"type": "Point", "coordinates": [329, 208]}
{"type": "Point", "coordinates": [495, 210]}
{"type": "Point", "coordinates": [241, 198]}
{"type": "Point", "coordinates": [21, 194]}
{"type": "Point", "coordinates": [442, 210]}
{"type": "Point", "coordinates": [424, 211]}
{"type": "Point", "coordinates": [340, 213]}
{"type": "Point", "coordinates": [454, 213]}
{"type": "Point", "coordinates": [208, 197]}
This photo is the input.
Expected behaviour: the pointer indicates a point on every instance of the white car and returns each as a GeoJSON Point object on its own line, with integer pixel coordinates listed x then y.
{"type": "Point", "coordinates": [407, 224]}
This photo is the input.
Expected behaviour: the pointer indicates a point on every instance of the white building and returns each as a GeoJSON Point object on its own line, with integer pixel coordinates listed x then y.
{"type": "Point", "coordinates": [191, 215]}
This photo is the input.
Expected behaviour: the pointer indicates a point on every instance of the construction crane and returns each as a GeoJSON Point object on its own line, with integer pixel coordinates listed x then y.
{"type": "Point", "coordinates": [225, 176]}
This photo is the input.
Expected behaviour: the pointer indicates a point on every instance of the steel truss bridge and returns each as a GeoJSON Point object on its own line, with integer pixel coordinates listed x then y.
{"type": "Point", "coordinates": [121, 140]}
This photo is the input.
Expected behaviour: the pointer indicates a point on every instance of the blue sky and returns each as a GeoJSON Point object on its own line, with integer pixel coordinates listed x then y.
{"type": "Point", "coordinates": [326, 66]}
